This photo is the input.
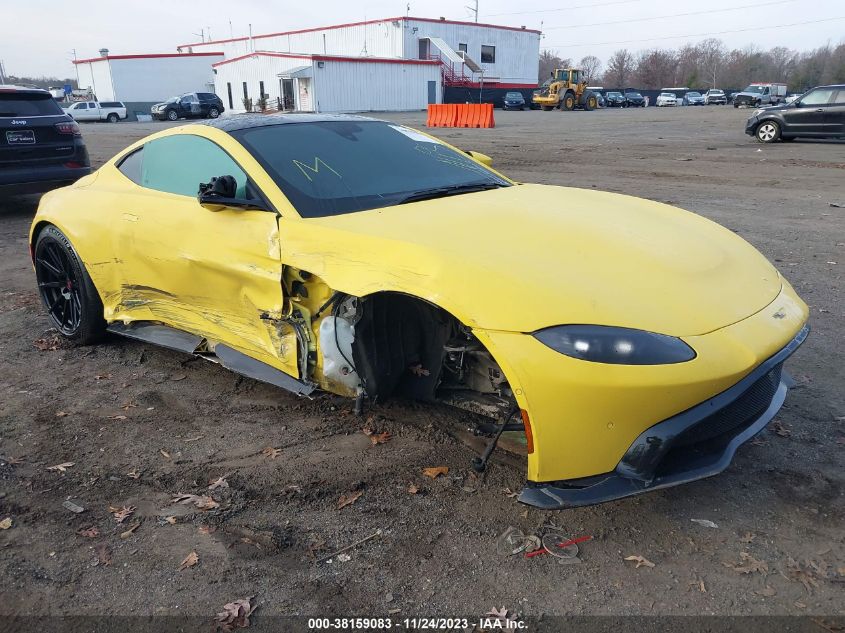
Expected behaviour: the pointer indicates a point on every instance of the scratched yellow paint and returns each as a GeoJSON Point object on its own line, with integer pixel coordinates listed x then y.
{"type": "Point", "coordinates": [504, 262]}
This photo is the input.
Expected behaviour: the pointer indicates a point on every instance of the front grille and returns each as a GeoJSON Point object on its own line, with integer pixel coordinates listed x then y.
{"type": "Point", "coordinates": [737, 415]}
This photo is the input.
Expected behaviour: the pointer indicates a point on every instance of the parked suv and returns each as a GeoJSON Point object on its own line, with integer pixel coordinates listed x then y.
{"type": "Point", "coordinates": [192, 105]}
{"type": "Point", "coordinates": [716, 96]}
{"type": "Point", "coordinates": [41, 146]}
{"type": "Point", "coordinates": [614, 99]}
{"type": "Point", "coordinates": [820, 112]}
{"type": "Point", "coordinates": [513, 100]}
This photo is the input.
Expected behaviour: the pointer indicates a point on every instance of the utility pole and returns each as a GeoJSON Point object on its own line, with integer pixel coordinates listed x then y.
{"type": "Point", "coordinates": [231, 36]}
{"type": "Point", "coordinates": [2, 74]}
{"type": "Point", "coordinates": [201, 35]}
{"type": "Point", "coordinates": [474, 9]}
{"type": "Point", "coordinates": [75, 67]}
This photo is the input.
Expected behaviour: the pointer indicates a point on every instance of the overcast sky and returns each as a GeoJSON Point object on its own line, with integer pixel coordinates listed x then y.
{"type": "Point", "coordinates": [45, 31]}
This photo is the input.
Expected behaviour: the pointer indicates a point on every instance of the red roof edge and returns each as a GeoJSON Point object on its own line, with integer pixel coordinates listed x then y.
{"type": "Point", "coordinates": [148, 56]}
{"type": "Point", "coordinates": [330, 58]}
{"type": "Point", "coordinates": [348, 24]}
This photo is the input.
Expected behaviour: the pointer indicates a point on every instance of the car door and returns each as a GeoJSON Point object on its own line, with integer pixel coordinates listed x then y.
{"type": "Point", "coordinates": [807, 117]}
{"type": "Point", "coordinates": [835, 114]}
{"type": "Point", "coordinates": [213, 273]}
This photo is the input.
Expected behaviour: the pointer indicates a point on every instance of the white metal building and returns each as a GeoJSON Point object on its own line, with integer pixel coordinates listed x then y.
{"type": "Point", "coordinates": [147, 78]}
{"type": "Point", "coordinates": [328, 83]}
{"type": "Point", "coordinates": [508, 56]}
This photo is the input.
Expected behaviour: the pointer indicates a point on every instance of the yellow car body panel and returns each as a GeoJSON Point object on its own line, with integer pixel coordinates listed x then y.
{"type": "Point", "coordinates": [505, 262]}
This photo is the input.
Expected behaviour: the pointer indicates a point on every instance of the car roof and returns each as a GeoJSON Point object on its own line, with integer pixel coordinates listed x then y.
{"type": "Point", "coordinates": [245, 121]}
{"type": "Point", "coordinates": [28, 89]}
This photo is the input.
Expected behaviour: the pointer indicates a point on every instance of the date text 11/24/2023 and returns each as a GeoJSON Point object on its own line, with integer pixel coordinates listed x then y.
{"type": "Point", "coordinates": [493, 621]}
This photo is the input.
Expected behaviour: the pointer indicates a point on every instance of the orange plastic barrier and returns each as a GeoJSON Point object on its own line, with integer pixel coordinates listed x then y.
{"type": "Point", "coordinates": [460, 115]}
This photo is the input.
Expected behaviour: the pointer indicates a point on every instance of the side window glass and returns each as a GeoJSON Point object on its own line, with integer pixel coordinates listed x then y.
{"type": "Point", "coordinates": [817, 97]}
{"type": "Point", "coordinates": [131, 166]}
{"type": "Point", "coordinates": [839, 99]}
{"type": "Point", "coordinates": [178, 164]}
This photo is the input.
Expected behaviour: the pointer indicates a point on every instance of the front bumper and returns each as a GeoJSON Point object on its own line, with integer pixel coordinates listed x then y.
{"type": "Point", "coordinates": [751, 125]}
{"type": "Point", "coordinates": [697, 443]}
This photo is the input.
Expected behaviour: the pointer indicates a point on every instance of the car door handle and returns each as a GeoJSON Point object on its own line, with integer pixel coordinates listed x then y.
{"type": "Point", "coordinates": [819, 109]}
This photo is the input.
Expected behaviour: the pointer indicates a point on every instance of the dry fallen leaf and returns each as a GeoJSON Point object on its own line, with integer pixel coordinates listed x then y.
{"type": "Point", "coordinates": [766, 591]}
{"type": "Point", "coordinates": [6, 523]}
{"type": "Point", "coordinates": [379, 438]}
{"type": "Point", "coordinates": [349, 499]}
{"type": "Point", "coordinates": [803, 574]}
{"type": "Point", "coordinates": [164, 453]}
{"type": "Point", "coordinates": [14, 461]}
{"type": "Point", "coordinates": [748, 537]}
{"type": "Point", "coordinates": [201, 502]}
{"type": "Point", "coordinates": [419, 370]}
{"type": "Point", "coordinates": [91, 532]}
{"type": "Point", "coordinates": [220, 482]}
{"type": "Point", "coordinates": [134, 474]}
{"type": "Point", "coordinates": [190, 560]}
{"type": "Point", "coordinates": [121, 514]}
{"type": "Point", "coordinates": [103, 553]}
{"type": "Point", "coordinates": [207, 529]}
{"type": "Point", "coordinates": [780, 429]}
{"type": "Point", "coordinates": [510, 494]}
{"type": "Point", "coordinates": [235, 615]}
{"type": "Point", "coordinates": [61, 467]}
{"type": "Point", "coordinates": [641, 561]}
{"type": "Point", "coordinates": [698, 584]}
{"type": "Point", "coordinates": [748, 565]}
{"type": "Point", "coordinates": [50, 344]}
{"type": "Point", "coordinates": [128, 405]}
{"type": "Point", "coordinates": [62, 414]}
{"type": "Point", "coordinates": [116, 417]}
{"type": "Point", "coordinates": [435, 471]}
{"type": "Point", "coordinates": [171, 520]}
{"type": "Point", "coordinates": [413, 489]}
{"type": "Point", "coordinates": [271, 452]}
{"type": "Point", "coordinates": [131, 529]}
{"type": "Point", "coordinates": [800, 604]}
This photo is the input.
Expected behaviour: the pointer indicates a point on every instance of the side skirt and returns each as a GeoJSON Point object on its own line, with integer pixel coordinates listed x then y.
{"type": "Point", "coordinates": [231, 359]}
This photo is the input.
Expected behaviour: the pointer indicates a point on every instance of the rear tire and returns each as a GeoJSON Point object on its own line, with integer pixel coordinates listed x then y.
{"type": "Point", "coordinates": [767, 132]}
{"type": "Point", "coordinates": [72, 301]}
{"type": "Point", "coordinates": [113, 118]}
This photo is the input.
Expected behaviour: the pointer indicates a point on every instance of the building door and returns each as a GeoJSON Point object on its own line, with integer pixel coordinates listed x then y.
{"type": "Point", "coordinates": [432, 92]}
{"type": "Point", "coordinates": [287, 95]}
{"type": "Point", "coordinates": [424, 48]}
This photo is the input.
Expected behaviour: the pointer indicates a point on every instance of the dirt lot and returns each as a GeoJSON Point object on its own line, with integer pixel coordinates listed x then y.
{"type": "Point", "coordinates": [142, 424]}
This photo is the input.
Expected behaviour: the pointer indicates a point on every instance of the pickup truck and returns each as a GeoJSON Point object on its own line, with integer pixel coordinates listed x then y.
{"type": "Point", "coordinates": [111, 111]}
{"type": "Point", "coordinates": [756, 95]}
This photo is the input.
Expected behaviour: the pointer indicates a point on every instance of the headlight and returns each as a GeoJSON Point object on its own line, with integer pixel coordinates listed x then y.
{"type": "Point", "coordinates": [615, 345]}
{"type": "Point", "coordinates": [757, 111]}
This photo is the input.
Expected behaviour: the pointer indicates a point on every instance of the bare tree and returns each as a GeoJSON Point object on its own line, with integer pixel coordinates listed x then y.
{"type": "Point", "coordinates": [548, 62]}
{"type": "Point", "coordinates": [590, 67]}
{"type": "Point", "coordinates": [656, 69]}
{"type": "Point", "coordinates": [620, 67]}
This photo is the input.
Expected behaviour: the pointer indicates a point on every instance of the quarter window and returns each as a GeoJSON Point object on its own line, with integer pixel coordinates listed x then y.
{"type": "Point", "coordinates": [178, 164]}
{"type": "Point", "coordinates": [839, 99]}
{"type": "Point", "coordinates": [488, 54]}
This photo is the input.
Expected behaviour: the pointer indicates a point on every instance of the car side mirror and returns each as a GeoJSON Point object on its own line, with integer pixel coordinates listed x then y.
{"type": "Point", "coordinates": [221, 192]}
{"type": "Point", "coordinates": [484, 159]}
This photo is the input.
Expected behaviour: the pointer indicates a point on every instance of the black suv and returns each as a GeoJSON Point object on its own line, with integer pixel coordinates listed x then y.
{"type": "Point", "coordinates": [614, 99]}
{"type": "Point", "coordinates": [206, 105]}
{"type": "Point", "coordinates": [41, 147]}
{"type": "Point", "coordinates": [819, 112]}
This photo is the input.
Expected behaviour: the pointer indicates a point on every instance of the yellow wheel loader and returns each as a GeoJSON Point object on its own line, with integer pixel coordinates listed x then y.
{"type": "Point", "coordinates": [565, 90]}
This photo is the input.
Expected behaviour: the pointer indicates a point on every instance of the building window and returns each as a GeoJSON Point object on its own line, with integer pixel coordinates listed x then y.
{"type": "Point", "coordinates": [229, 91]}
{"type": "Point", "coordinates": [246, 92]}
{"type": "Point", "coordinates": [462, 47]}
{"type": "Point", "coordinates": [488, 54]}
{"type": "Point", "coordinates": [260, 89]}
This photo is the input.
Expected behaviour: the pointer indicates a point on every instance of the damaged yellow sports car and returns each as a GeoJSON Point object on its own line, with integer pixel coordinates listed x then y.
{"type": "Point", "coordinates": [635, 345]}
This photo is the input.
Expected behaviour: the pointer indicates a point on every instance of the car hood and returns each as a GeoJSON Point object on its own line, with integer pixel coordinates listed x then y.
{"type": "Point", "coordinates": [530, 256]}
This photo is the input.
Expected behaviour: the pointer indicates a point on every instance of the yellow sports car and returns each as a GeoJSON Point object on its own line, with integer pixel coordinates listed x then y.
{"type": "Point", "coordinates": [635, 345]}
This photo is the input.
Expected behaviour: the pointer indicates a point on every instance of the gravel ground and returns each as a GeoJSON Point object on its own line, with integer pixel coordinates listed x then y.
{"type": "Point", "coordinates": [142, 424]}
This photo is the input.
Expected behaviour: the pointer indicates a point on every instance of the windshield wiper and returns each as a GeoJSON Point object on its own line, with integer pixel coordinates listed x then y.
{"type": "Point", "coordinates": [453, 190]}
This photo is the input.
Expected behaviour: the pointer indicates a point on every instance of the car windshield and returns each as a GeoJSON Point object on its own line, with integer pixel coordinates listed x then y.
{"type": "Point", "coordinates": [330, 168]}
{"type": "Point", "coordinates": [614, 94]}
{"type": "Point", "coordinates": [667, 94]}
{"type": "Point", "coordinates": [754, 89]}
{"type": "Point", "coordinates": [14, 104]}
{"type": "Point", "coordinates": [693, 94]}
{"type": "Point", "coordinates": [636, 95]}
{"type": "Point", "coordinates": [716, 92]}
{"type": "Point", "coordinates": [513, 95]}
{"type": "Point", "coordinates": [172, 100]}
